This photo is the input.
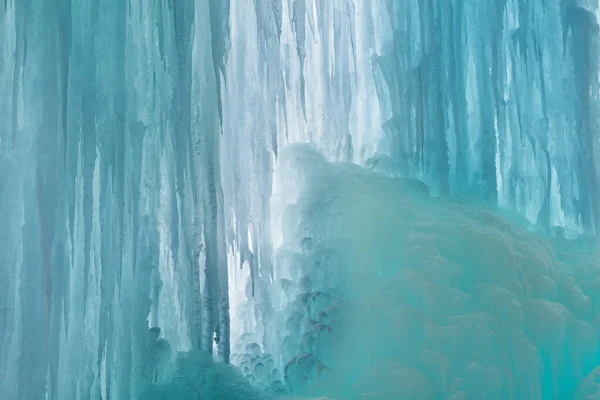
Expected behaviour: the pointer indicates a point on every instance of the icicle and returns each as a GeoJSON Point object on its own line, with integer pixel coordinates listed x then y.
{"type": "Point", "coordinates": [299, 22]}
{"type": "Point", "coordinates": [220, 43]}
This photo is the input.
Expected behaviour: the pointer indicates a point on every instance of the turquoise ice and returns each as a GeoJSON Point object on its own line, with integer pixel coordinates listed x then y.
{"type": "Point", "coordinates": [347, 198]}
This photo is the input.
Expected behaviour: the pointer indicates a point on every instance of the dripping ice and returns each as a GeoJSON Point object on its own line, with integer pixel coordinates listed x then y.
{"type": "Point", "coordinates": [219, 198]}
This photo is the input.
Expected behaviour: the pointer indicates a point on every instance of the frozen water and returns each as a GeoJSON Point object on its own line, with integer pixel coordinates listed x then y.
{"type": "Point", "coordinates": [193, 377]}
{"type": "Point", "coordinates": [109, 122]}
{"type": "Point", "coordinates": [138, 147]}
{"type": "Point", "coordinates": [416, 297]}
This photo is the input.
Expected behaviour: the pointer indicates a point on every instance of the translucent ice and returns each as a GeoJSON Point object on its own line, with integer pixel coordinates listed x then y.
{"type": "Point", "coordinates": [109, 122]}
{"type": "Point", "coordinates": [194, 376]}
{"type": "Point", "coordinates": [416, 297]}
{"type": "Point", "coordinates": [138, 142]}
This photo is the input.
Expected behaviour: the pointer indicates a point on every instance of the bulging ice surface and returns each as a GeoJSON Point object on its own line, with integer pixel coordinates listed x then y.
{"type": "Point", "coordinates": [193, 376]}
{"type": "Point", "coordinates": [401, 295]}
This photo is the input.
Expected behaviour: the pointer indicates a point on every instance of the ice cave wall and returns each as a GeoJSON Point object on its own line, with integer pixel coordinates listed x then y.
{"type": "Point", "coordinates": [109, 191]}
{"type": "Point", "coordinates": [499, 101]}
{"type": "Point", "coordinates": [139, 137]}
{"type": "Point", "coordinates": [492, 102]}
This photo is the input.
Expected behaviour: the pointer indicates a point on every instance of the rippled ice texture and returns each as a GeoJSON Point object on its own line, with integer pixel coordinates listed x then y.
{"type": "Point", "coordinates": [404, 296]}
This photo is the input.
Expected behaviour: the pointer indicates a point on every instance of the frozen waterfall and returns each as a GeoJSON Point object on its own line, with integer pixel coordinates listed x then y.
{"type": "Point", "coordinates": [255, 199]}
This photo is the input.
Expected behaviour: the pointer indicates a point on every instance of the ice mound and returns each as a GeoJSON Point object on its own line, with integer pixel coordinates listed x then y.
{"type": "Point", "coordinates": [194, 376]}
{"type": "Point", "coordinates": [257, 366]}
{"type": "Point", "coordinates": [389, 293]}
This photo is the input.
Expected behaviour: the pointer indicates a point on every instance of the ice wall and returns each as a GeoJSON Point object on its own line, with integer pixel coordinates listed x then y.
{"type": "Point", "coordinates": [138, 143]}
{"type": "Point", "coordinates": [495, 103]}
{"type": "Point", "coordinates": [492, 102]}
{"type": "Point", "coordinates": [110, 190]}
{"type": "Point", "coordinates": [315, 59]}
{"type": "Point", "coordinates": [498, 101]}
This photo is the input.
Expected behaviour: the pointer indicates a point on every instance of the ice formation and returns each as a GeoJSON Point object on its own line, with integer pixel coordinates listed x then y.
{"type": "Point", "coordinates": [417, 297]}
{"type": "Point", "coordinates": [441, 224]}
